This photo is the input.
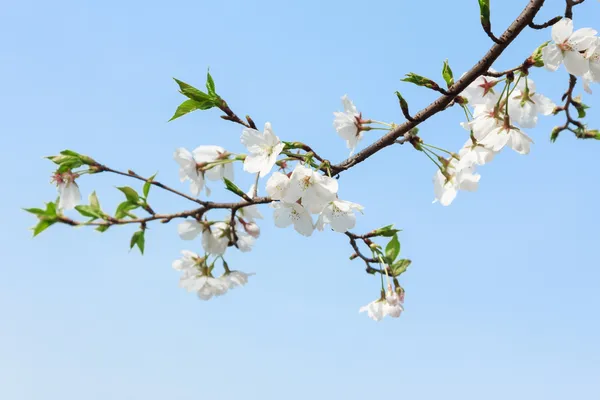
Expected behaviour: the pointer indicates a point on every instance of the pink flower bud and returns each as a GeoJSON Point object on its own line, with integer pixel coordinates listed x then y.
{"type": "Point", "coordinates": [252, 229]}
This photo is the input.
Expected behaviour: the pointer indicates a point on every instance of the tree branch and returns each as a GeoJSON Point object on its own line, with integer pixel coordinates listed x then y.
{"type": "Point", "coordinates": [442, 102]}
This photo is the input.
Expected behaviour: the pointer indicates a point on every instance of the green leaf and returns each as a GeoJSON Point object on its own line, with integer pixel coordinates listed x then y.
{"type": "Point", "coordinates": [130, 193]}
{"type": "Point", "coordinates": [36, 211]}
{"type": "Point", "coordinates": [447, 74]}
{"type": "Point", "coordinates": [42, 225]}
{"type": "Point", "coordinates": [233, 188]}
{"type": "Point", "coordinates": [66, 162]}
{"type": "Point", "coordinates": [420, 81]}
{"type": "Point", "coordinates": [210, 85]}
{"type": "Point", "coordinates": [484, 12]}
{"type": "Point", "coordinates": [89, 211]}
{"type": "Point", "coordinates": [392, 250]}
{"type": "Point", "coordinates": [191, 105]}
{"type": "Point", "coordinates": [138, 240]}
{"type": "Point", "coordinates": [124, 208]}
{"type": "Point", "coordinates": [146, 188]}
{"type": "Point", "coordinates": [94, 202]}
{"type": "Point", "coordinates": [580, 107]}
{"type": "Point", "coordinates": [386, 231]}
{"type": "Point", "coordinates": [403, 103]}
{"type": "Point", "coordinates": [536, 58]}
{"type": "Point", "coordinates": [102, 228]}
{"type": "Point", "coordinates": [70, 153]}
{"type": "Point", "coordinates": [400, 267]}
{"type": "Point", "coordinates": [193, 93]}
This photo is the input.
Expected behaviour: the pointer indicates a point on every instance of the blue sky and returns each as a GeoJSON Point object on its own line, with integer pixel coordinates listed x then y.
{"type": "Point", "coordinates": [502, 296]}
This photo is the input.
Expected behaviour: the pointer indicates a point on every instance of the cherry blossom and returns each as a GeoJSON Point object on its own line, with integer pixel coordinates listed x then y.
{"type": "Point", "coordinates": [593, 55]}
{"type": "Point", "coordinates": [339, 214]}
{"type": "Point", "coordinates": [485, 119]}
{"type": "Point", "coordinates": [68, 190]}
{"type": "Point", "coordinates": [507, 135]}
{"type": "Point", "coordinates": [244, 242]}
{"type": "Point", "coordinates": [252, 229]}
{"type": "Point", "coordinates": [188, 170]}
{"type": "Point", "coordinates": [286, 214]}
{"type": "Point", "coordinates": [211, 154]}
{"type": "Point", "coordinates": [215, 238]}
{"type": "Point", "coordinates": [525, 104]}
{"type": "Point", "coordinates": [277, 185]}
{"type": "Point", "coordinates": [567, 48]}
{"type": "Point", "coordinates": [314, 189]}
{"type": "Point", "coordinates": [375, 310]}
{"type": "Point", "coordinates": [474, 154]}
{"type": "Point", "coordinates": [236, 278]}
{"type": "Point", "coordinates": [347, 124]}
{"type": "Point", "coordinates": [264, 149]}
{"type": "Point", "coordinates": [482, 91]}
{"type": "Point", "coordinates": [196, 276]}
{"type": "Point", "coordinates": [447, 184]}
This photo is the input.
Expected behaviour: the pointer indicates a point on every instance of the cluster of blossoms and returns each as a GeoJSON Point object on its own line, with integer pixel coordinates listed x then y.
{"type": "Point", "coordinates": [389, 304]}
{"type": "Point", "coordinates": [296, 196]}
{"type": "Point", "coordinates": [578, 50]}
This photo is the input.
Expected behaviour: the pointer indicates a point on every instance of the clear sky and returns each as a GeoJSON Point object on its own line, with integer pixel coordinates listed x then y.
{"type": "Point", "coordinates": [501, 301]}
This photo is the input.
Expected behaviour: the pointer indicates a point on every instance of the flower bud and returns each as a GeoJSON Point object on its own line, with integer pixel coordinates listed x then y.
{"type": "Point", "coordinates": [252, 229]}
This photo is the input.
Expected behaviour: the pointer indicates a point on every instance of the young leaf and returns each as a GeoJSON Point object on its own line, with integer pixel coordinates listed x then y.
{"type": "Point", "coordinates": [42, 225]}
{"type": "Point", "coordinates": [210, 85]}
{"type": "Point", "coordinates": [130, 193]}
{"type": "Point", "coordinates": [193, 93]}
{"type": "Point", "coordinates": [447, 74]}
{"type": "Point", "coordinates": [233, 188]}
{"type": "Point", "coordinates": [89, 211]}
{"type": "Point", "coordinates": [484, 12]}
{"type": "Point", "coordinates": [124, 208]}
{"type": "Point", "coordinates": [191, 105]}
{"type": "Point", "coordinates": [36, 211]}
{"type": "Point", "coordinates": [392, 250]}
{"type": "Point", "coordinates": [420, 81]}
{"type": "Point", "coordinates": [94, 202]}
{"type": "Point", "coordinates": [386, 231]}
{"type": "Point", "coordinates": [102, 228]}
{"type": "Point", "coordinates": [400, 267]}
{"type": "Point", "coordinates": [138, 240]}
{"type": "Point", "coordinates": [146, 188]}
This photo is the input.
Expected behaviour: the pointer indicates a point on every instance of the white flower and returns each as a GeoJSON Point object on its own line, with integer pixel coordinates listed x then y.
{"type": "Point", "coordinates": [347, 124]}
{"type": "Point", "coordinates": [188, 170]}
{"type": "Point", "coordinates": [196, 278]}
{"type": "Point", "coordinates": [482, 91]}
{"type": "Point", "coordinates": [264, 149]}
{"type": "Point", "coordinates": [236, 278]}
{"type": "Point", "coordinates": [215, 238]}
{"type": "Point", "coordinates": [189, 229]}
{"type": "Point", "coordinates": [484, 121]}
{"type": "Point", "coordinates": [511, 136]}
{"type": "Point", "coordinates": [446, 187]}
{"type": "Point", "coordinates": [339, 214]}
{"type": "Point", "coordinates": [315, 189]}
{"type": "Point", "coordinates": [567, 48]}
{"type": "Point", "coordinates": [277, 185]}
{"type": "Point", "coordinates": [210, 154]}
{"type": "Point", "coordinates": [286, 214]}
{"type": "Point", "coordinates": [525, 104]}
{"type": "Point", "coordinates": [245, 241]}
{"type": "Point", "coordinates": [68, 191]}
{"type": "Point", "coordinates": [249, 213]}
{"type": "Point", "coordinates": [374, 310]}
{"type": "Point", "coordinates": [393, 303]}
{"type": "Point", "coordinates": [593, 55]}
{"type": "Point", "coordinates": [474, 154]}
